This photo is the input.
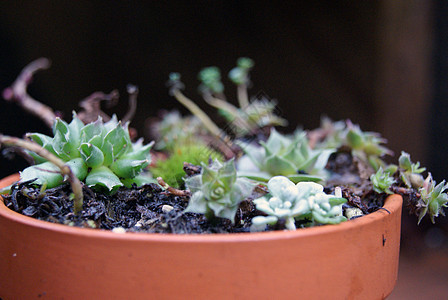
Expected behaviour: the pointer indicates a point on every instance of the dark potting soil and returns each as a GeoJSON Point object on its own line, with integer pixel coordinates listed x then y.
{"type": "Point", "coordinates": [152, 209]}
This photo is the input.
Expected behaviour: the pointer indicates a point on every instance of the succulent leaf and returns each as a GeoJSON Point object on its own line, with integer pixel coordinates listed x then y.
{"type": "Point", "coordinates": [103, 177]}
{"type": "Point", "coordinates": [92, 155]}
{"type": "Point", "coordinates": [128, 168]}
{"type": "Point", "coordinates": [44, 173]}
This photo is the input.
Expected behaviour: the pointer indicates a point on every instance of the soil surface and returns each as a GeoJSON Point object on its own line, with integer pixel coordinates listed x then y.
{"type": "Point", "coordinates": [152, 209]}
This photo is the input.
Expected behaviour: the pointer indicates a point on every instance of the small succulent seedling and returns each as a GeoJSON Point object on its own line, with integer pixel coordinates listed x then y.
{"type": "Point", "coordinates": [211, 80]}
{"type": "Point", "coordinates": [287, 156]}
{"type": "Point", "coordinates": [101, 154]}
{"type": "Point", "coordinates": [433, 199]}
{"type": "Point", "coordinates": [304, 200]}
{"type": "Point", "coordinates": [410, 173]}
{"type": "Point", "coordinates": [217, 191]}
{"type": "Point", "coordinates": [365, 146]}
{"type": "Point", "coordinates": [382, 181]}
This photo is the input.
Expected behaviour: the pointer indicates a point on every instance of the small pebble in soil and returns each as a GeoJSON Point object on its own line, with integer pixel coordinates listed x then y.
{"type": "Point", "coordinates": [167, 208]}
{"type": "Point", "coordinates": [119, 230]}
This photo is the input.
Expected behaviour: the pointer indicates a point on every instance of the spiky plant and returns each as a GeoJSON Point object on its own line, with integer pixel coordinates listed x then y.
{"type": "Point", "coordinates": [433, 199]}
{"type": "Point", "coordinates": [217, 191]}
{"type": "Point", "coordinates": [287, 156]}
{"type": "Point", "coordinates": [382, 181]}
{"type": "Point", "coordinates": [100, 154]}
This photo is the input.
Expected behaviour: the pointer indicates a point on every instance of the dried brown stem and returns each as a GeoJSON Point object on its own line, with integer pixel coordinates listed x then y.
{"type": "Point", "coordinates": [18, 92]}
{"type": "Point", "coordinates": [171, 190]}
{"type": "Point", "coordinates": [92, 106]}
{"type": "Point", "coordinates": [65, 170]}
{"type": "Point", "coordinates": [133, 93]}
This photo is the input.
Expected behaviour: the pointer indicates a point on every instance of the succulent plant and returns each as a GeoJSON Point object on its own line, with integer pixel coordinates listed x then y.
{"type": "Point", "coordinates": [101, 154]}
{"type": "Point", "coordinates": [211, 80]}
{"type": "Point", "coordinates": [287, 156]}
{"type": "Point", "coordinates": [410, 173]}
{"type": "Point", "coordinates": [304, 201]}
{"type": "Point", "coordinates": [382, 181]}
{"type": "Point", "coordinates": [433, 199]}
{"type": "Point", "coordinates": [240, 74]}
{"type": "Point", "coordinates": [367, 146]}
{"type": "Point", "coordinates": [217, 191]}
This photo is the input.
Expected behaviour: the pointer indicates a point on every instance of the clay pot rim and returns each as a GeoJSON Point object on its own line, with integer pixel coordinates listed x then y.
{"type": "Point", "coordinates": [392, 204]}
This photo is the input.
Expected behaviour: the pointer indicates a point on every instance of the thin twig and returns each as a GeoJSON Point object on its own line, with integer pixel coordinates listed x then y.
{"type": "Point", "coordinates": [171, 190]}
{"type": "Point", "coordinates": [65, 170]}
{"type": "Point", "coordinates": [18, 92]}
{"type": "Point", "coordinates": [133, 93]}
{"type": "Point", "coordinates": [92, 107]}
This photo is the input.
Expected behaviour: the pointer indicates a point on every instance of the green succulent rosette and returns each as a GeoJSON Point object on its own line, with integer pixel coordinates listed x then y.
{"type": "Point", "coordinates": [100, 153]}
{"type": "Point", "coordinates": [217, 191]}
{"type": "Point", "coordinates": [286, 156]}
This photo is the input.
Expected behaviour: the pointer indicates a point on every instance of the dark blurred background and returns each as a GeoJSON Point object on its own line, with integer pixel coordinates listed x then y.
{"type": "Point", "coordinates": [382, 64]}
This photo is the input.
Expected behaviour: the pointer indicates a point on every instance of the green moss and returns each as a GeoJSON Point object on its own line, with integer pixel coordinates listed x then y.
{"type": "Point", "coordinates": [171, 169]}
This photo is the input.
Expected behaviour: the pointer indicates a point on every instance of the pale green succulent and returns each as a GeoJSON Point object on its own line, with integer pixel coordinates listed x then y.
{"type": "Point", "coordinates": [211, 80]}
{"type": "Point", "coordinates": [217, 191]}
{"type": "Point", "coordinates": [367, 146]}
{"type": "Point", "coordinates": [240, 74]}
{"type": "Point", "coordinates": [382, 181]}
{"type": "Point", "coordinates": [433, 199]}
{"type": "Point", "coordinates": [304, 201]}
{"type": "Point", "coordinates": [410, 173]}
{"type": "Point", "coordinates": [101, 154]}
{"type": "Point", "coordinates": [287, 156]}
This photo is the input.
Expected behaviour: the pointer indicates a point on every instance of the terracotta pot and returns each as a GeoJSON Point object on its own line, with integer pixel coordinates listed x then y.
{"type": "Point", "coordinates": [353, 260]}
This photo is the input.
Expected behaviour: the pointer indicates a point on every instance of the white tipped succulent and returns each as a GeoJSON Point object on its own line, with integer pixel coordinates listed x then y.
{"type": "Point", "coordinates": [217, 192]}
{"type": "Point", "coordinates": [433, 199]}
{"type": "Point", "coordinates": [289, 202]}
{"type": "Point", "coordinates": [101, 154]}
{"type": "Point", "coordinates": [286, 156]}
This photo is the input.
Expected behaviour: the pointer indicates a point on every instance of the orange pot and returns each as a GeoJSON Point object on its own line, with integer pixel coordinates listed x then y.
{"type": "Point", "coordinates": [353, 260]}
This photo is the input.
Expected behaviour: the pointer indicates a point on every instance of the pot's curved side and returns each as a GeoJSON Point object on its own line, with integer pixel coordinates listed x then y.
{"type": "Point", "coordinates": [354, 260]}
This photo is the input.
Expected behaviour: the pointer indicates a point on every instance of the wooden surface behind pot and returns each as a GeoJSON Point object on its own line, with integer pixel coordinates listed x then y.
{"type": "Point", "coordinates": [353, 260]}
